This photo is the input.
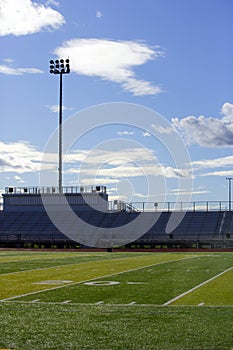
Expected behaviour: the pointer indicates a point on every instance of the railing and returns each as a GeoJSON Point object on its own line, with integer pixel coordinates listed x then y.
{"type": "Point", "coordinates": [118, 205]}
{"type": "Point", "coordinates": [54, 190]}
{"type": "Point", "coordinates": [175, 206]}
{"type": "Point", "coordinates": [182, 206]}
{"type": "Point", "coordinates": [123, 206]}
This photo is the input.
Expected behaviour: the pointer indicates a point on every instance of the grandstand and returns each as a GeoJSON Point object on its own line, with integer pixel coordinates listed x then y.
{"type": "Point", "coordinates": [24, 222]}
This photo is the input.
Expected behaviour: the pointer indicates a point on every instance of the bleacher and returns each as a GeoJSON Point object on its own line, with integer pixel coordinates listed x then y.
{"type": "Point", "coordinates": [36, 227]}
{"type": "Point", "coordinates": [26, 221]}
{"type": "Point", "coordinates": [203, 227]}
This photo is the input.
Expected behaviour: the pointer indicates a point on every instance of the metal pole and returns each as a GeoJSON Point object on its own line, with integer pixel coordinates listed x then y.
{"type": "Point", "coordinates": [60, 67]}
{"type": "Point", "coordinates": [60, 139]}
{"type": "Point", "coordinates": [229, 192]}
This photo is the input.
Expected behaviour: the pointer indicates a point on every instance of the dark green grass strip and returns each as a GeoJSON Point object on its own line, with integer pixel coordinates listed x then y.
{"type": "Point", "coordinates": [59, 327]}
{"type": "Point", "coordinates": [35, 261]}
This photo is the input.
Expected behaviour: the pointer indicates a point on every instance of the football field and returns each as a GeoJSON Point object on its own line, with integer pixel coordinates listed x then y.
{"type": "Point", "coordinates": [119, 300]}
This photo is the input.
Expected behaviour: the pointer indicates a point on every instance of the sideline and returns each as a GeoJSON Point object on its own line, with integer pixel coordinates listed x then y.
{"type": "Point", "coordinates": [196, 287]}
{"type": "Point", "coordinates": [102, 304]}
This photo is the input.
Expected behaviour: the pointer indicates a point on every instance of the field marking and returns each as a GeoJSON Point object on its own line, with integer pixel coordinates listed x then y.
{"type": "Point", "coordinates": [53, 282]}
{"type": "Point", "coordinates": [196, 287]}
{"type": "Point", "coordinates": [101, 283]}
{"type": "Point", "coordinates": [97, 278]}
{"type": "Point", "coordinates": [66, 302]}
{"type": "Point", "coordinates": [136, 283]}
{"type": "Point", "coordinates": [101, 303]}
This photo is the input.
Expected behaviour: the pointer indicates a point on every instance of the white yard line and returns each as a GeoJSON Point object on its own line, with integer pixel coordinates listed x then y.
{"type": "Point", "coordinates": [97, 278]}
{"type": "Point", "coordinates": [196, 287]}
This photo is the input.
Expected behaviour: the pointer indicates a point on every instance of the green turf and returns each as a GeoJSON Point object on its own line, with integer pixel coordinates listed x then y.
{"type": "Point", "coordinates": [156, 284]}
{"type": "Point", "coordinates": [60, 311]}
{"type": "Point", "coordinates": [23, 261]}
{"type": "Point", "coordinates": [31, 281]}
{"type": "Point", "coordinates": [216, 292]}
{"type": "Point", "coordinates": [62, 327]}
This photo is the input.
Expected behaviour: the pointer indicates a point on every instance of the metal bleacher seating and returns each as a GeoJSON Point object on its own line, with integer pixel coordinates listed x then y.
{"type": "Point", "coordinates": [31, 224]}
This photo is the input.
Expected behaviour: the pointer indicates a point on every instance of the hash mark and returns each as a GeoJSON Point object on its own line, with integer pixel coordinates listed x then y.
{"type": "Point", "coordinates": [66, 301]}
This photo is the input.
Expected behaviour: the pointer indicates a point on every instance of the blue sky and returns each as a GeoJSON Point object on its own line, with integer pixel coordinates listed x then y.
{"type": "Point", "coordinates": [174, 57]}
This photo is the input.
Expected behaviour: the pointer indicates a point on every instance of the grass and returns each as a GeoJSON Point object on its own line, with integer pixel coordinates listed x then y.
{"type": "Point", "coordinates": [52, 306]}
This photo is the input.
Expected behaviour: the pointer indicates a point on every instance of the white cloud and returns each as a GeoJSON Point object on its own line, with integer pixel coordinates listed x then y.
{"type": "Point", "coordinates": [105, 181]}
{"type": "Point", "coordinates": [130, 163]}
{"type": "Point", "coordinates": [131, 171]}
{"type": "Point", "coordinates": [99, 14]}
{"type": "Point", "coordinates": [227, 109]}
{"type": "Point", "coordinates": [55, 108]}
{"type": "Point", "coordinates": [18, 179]}
{"type": "Point", "coordinates": [141, 87]}
{"type": "Point", "coordinates": [213, 163]}
{"type": "Point", "coordinates": [198, 190]}
{"type": "Point", "coordinates": [220, 173]}
{"type": "Point", "coordinates": [111, 60]}
{"type": "Point", "coordinates": [19, 157]}
{"type": "Point", "coordinates": [8, 60]}
{"type": "Point", "coordinates": [146, 134]}
{"type": "Point", "coordinates": [119, 157]}
{"type": "Point", "coordinates": [106, 166]}
{"type": "Point", "coordinates": [164, 130]}
{"type": "Point", "coordinates": [53, 3]}
{"type": "Point", "coordinates": [125, 133]}
{"type": "Point", "coordinates": [221, 166]}
{"type": "Point", "coordinates": [208, 131]}
{"type": "Point", "coordinates": [18, 71]}
{"type": "Point", "coordinates": [22, 17]}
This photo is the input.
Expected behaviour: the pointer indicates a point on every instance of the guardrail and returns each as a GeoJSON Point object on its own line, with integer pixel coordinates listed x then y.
{"type": "Point", "coordinates": [182, 206]}
{"type": "Point", "coordinates": [175, 206]}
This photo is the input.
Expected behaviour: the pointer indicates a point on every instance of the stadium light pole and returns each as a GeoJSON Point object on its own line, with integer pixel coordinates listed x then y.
{"type": "Point", "coordinates": [229, 191]}
{"type": "Point", "coordinates": [60, 67]}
